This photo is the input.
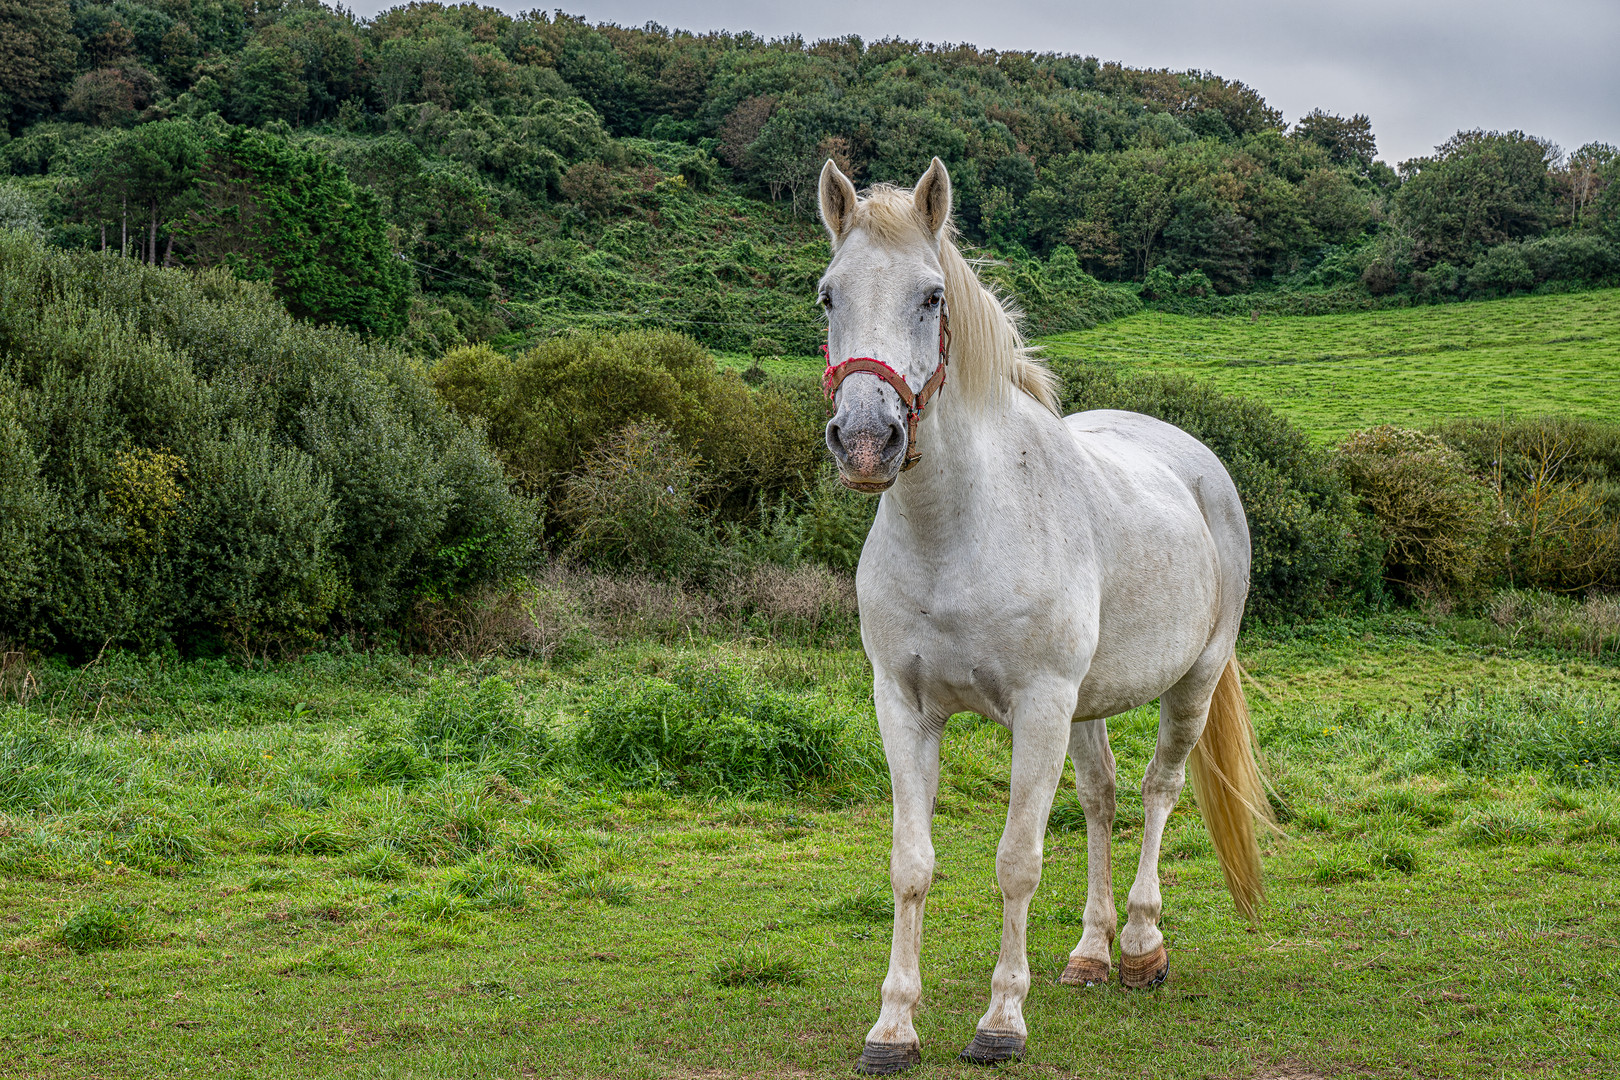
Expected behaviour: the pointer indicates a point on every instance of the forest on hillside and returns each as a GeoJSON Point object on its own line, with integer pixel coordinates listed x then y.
{"type": "Point", "coordinates": [451, 174]}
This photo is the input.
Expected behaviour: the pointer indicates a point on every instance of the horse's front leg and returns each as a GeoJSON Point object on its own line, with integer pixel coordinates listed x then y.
{"type": "Point", "coordinates": [911, 743]}
{"type": "Point", "coordinates": [1040, 729]}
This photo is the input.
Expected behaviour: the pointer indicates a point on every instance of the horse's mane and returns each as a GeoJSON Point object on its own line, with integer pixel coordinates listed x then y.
{"type": "Point", "coordinates": [988, 353]}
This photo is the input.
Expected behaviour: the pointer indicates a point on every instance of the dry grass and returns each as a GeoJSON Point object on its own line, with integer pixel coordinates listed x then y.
{"type": "Point", "coordinates": [565, 608]}
{"type": "Point", "coordinates": [1590, 626]}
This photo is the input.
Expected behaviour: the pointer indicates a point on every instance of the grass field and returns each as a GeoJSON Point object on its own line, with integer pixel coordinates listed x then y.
{"type": "Point", "coordinates": [205, 870]}
{"type": "Point", "coordinates": [1334, 374]}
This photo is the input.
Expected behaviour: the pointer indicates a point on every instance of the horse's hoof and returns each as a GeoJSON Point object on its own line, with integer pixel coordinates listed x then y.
{"type": "Point", "coordinates": [885, 1059]}
{"type": "Point", "coordinates": [994, 1047]}
{"type": "Point", "coordinates": [1084, 971]}
{"type": "Point", "coordinates": [1144, 972]}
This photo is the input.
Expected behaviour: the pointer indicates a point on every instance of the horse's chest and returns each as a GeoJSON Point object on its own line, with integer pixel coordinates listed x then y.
{"type": "Point", "coordinates": [973, 645]}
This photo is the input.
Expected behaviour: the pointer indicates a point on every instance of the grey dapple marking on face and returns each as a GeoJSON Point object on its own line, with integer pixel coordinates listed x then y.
{"type": "Point", "coordinates": [1044, 572]}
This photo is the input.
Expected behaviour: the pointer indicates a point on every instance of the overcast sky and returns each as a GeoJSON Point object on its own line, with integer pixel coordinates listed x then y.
{"type": "Point", "coordinates": [1422, 69]}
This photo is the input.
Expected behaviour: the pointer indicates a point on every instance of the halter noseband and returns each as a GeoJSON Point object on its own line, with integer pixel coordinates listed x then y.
{"type": "Point", "coordinates": [835, 375]}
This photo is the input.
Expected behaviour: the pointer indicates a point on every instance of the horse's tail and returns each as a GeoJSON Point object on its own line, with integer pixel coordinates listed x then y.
{"type": "Point", "coordinates": [1229, 791]}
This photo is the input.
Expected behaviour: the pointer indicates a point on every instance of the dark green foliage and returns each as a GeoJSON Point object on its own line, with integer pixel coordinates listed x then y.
{"type": "Point", "coordinates": [275, 213]}
{"type": "Point", "coordinates": [709, 728]}
{"type": "Point", "coordinates": [1480, 189]}
{"type": "Point", "coordinates": [1311, 549]}
{"type": "Point", "coordinates": [210, 469]}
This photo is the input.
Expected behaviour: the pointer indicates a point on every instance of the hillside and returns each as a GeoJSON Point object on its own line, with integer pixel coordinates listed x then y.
{"type": "Point", "coordinates": [538, 173]}
{"type": "Point", "coordinates": [1333, 374]}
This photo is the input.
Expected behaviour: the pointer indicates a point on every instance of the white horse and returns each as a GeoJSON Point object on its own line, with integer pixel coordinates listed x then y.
{"type": "Point", "coordinates": [1045, 572]}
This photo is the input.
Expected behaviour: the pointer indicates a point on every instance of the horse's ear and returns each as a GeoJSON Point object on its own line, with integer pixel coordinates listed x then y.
{"type": "Point", "coordinates": [837, 202]}
{"type": "Point", "coordinates": [933, 196]}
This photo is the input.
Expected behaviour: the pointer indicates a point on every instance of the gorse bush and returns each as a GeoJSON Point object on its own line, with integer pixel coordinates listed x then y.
{"type": "Point", "coordinates": [633, 505]}
{"type": "Point", "coordinates": [547, 409]}
{"type": "Point", "coordinates": [184, 462]}
{"type": "Point", "coordinates": [712, 728]}
{"type": "Point", "coordinates": [1311, 548]}
{"type": "Point", "coordinates": [1439, 523]}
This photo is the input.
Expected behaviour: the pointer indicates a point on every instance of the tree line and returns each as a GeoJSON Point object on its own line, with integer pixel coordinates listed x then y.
{"type": "Point", "coordinates": [459, 175]}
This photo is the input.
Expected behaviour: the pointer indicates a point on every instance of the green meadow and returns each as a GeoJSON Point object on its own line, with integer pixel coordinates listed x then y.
{"type": "Point", "coordinates": [1333, 374]}
{"type": "Point", "coordinates": [373, 866]}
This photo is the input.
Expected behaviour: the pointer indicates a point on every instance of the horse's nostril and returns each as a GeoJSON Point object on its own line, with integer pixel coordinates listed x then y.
{"type": "Point", "coordinates": [897, 435]}
{"type": "Point", "coordinates": [834, 441]}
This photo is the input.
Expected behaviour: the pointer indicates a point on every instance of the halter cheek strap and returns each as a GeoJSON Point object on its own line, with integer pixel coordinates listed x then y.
{"type": "Point", "coordinates": [835, 375]}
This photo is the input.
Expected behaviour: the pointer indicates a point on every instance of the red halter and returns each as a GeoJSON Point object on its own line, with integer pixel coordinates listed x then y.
{"type": "Point", "coordinates": [914, 403]}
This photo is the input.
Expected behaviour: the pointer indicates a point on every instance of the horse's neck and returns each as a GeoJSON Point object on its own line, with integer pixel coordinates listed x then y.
{"type": "Point", "coordinates": [963, 448]}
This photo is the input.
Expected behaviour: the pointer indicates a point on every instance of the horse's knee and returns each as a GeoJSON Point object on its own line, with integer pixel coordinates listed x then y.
{"type": "Point", "coordinates": [1018, 870]}
{"type": "Point", "coordinates": [910, 874]}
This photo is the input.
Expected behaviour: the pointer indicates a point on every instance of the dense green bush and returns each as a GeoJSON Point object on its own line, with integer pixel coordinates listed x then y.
{"type": "Point", "coordinates": [1440, 524]}
{"type": "Point", "coordinates": [1559, 480]}
{"type": "Point", "coordinates": [458, 722]}
{"type": "Point", "coordinates": [1311, 548]}
{"type": "Point", "coordinates": [184, 462]}
{"type": "Point", "coordinates": [548, 408]}
{"type": "Point", "coordinates": [633, 505]}
{"type": "Point", "coordinates": [708, 728]}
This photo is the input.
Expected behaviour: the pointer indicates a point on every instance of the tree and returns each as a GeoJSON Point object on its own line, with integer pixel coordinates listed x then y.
{"type": "Point", "coordinates": [1584, 177]}
{"type": "Point", "coordinates": [272, 212]}
{"type": "Point", "coordinates": [38, 53]}
{"type": "Point", "coordinates": [1481, 188]}
{"type": "Point", "coordinates": [1347, 142]}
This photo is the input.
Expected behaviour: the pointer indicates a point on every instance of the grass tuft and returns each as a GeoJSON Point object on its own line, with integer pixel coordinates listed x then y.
{"type": "Point", "coordinates": [757, 966]}
{"type": "Point", "coordinates": [1503, 825]}
{"type": "Point", "coordinates": [1342, 864]}
{"type": "Point", "coordinates": [873, 904]}
{"type": "Point", "coordinates": [101, 926]}
{"type": "Point", "coordinates": [378, 863]}
{"type": "Point", "coordinates": [596, 885]}
{"type": "Point", "coordinates": [304, 838]}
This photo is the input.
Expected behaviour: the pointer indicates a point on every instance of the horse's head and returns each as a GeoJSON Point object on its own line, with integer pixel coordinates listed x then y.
{"type": "Point", "coordinates": [884, 294]}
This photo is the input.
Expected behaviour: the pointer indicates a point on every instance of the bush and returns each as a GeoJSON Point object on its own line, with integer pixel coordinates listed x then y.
{"type": "Point", "coordinates": [633, 505]}
{"type": "Point", "coordinates": [183, 461]}
{"type": "Point", "coordinates": [1311, 549]}
{"type": "Point", "coordinates": [1559, 479]}
{"type": "Point", "coordinates": [708, 728]}
{"type": "Point", "coordinates": [1438, 522]}
{"type": "Point", "coordinates": [549, 408]}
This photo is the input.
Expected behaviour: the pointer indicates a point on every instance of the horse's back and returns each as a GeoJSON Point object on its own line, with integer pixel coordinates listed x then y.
{"type": "Point", "coordinates": [1146, 444]}
{"type": "Point", "coordinates": [1174, 545]}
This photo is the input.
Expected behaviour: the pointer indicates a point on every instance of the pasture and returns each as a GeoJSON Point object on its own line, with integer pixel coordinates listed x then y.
{"type": "Point", "coordinates": [1333, 374]}
{"type": "Point", "coordinates": [337, 867]}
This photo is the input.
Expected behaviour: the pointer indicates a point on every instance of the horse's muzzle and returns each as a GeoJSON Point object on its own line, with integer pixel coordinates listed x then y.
{"type": "Point", "coordinates": [868, 456]}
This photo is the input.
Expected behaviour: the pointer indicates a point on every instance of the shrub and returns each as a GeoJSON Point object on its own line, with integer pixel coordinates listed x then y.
{"type": "Point", "coordinates": [709, 728]}
{"type": "Point", "coordinates": [549, 408]}
{"type": "Point", "coordinates": [1311, 548]}
{"type": "Point", "coordinates": [1559, 479]}
{"type": "Point", "coordinates": [209, 466]}
{"type": "Point", "coordinates": [633, 505]}
{"type": "Point", "coordinates": [1439, 524]}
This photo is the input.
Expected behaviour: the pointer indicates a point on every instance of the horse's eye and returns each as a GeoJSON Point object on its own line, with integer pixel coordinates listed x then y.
{"type": "Point", "coordinates": [934, 300]}
{"type": "Point", "coordinates": [825, 301]}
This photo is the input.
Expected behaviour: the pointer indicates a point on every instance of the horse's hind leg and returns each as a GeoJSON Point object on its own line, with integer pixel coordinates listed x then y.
{"type": "Point", "coordinates": [1183, 710]}
{"type": "Point", "coordinates": [1094, 779]}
